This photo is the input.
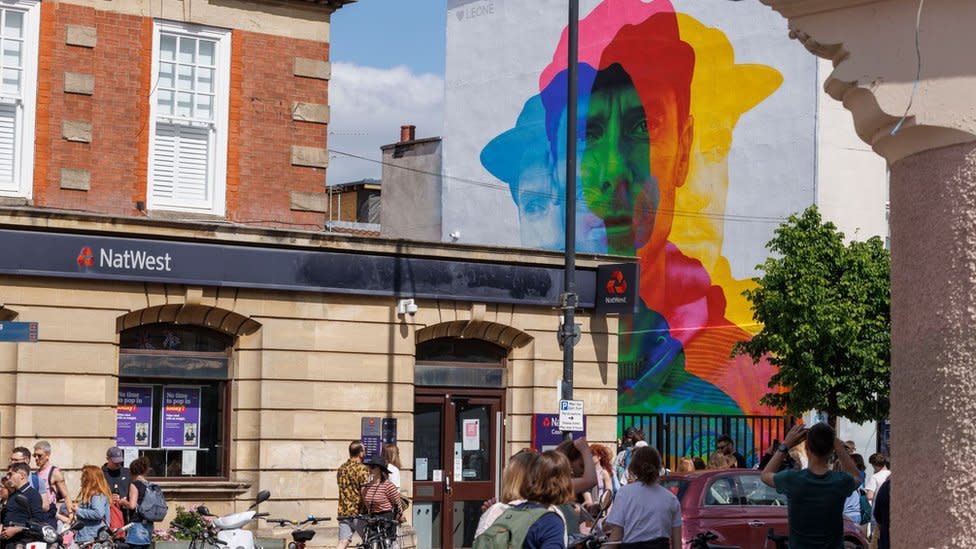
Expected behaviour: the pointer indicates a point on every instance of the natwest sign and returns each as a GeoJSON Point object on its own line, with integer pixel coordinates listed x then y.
{"type": "Point", "coordinates": [135, 260]}
{"type": "Point", "coordinates": [91, 259]}
{"type": "Point", "coordinates": [616, 288]}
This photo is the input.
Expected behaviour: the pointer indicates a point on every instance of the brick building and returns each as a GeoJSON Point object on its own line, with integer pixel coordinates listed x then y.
{"type": "Point", "coordinates": [162, 216]}
{"type": "Point", "coordinates": [168, 109]}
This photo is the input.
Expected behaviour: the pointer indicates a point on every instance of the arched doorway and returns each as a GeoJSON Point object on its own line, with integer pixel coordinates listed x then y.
{"type": "Point", "coordinates": [458, 435]}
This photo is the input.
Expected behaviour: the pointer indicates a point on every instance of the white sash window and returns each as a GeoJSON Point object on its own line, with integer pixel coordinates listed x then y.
{"type": "Point", "coordinates": [188, 149]}
{"type": "Point", "coordinates": [18, 91]}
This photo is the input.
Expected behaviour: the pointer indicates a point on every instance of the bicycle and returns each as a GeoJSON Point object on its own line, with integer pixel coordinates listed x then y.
{"type": "Point", "coordinates": [703, 540]}
{"type": "Point", "coordinates": [106, 538]}
{"type": "Point", "coordinates": [376, 532]}
{"type": "Point", "coordinates": [201, 539]}
{"type": "Point", "coordinates": [299, 536]}
{"type": "Point", "coordinates": [779, 539]}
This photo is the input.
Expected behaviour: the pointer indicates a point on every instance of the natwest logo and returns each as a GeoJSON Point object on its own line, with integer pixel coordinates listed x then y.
{"type": "Point", "coordinates": [85, 259]}
{"type": "Point", "coordinates": [128, 260]}
{"type": "Point", "coordinates": [616, 288]}
{"type": "Point", "coordinates": [617, 285]}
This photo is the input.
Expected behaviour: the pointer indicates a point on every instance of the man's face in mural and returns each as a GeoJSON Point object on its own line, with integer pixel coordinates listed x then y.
{"type": "Point", "coordinates": [632, 160]}
{"type": "Point", "coordinates": [539, 203]}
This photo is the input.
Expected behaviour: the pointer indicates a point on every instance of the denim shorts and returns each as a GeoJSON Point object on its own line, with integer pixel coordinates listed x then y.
{"type": "Point", "coordinates": [347, 527]}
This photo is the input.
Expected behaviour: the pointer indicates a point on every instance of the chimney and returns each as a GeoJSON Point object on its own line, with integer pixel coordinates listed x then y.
{"type": "Point", "coordinates": [408, 133]}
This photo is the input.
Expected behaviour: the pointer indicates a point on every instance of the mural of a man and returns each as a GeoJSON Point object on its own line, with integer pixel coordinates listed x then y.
{"type": "Point", "coordinates": [638, 134]}
{"type": "Point", "coordinates": [637, 131]}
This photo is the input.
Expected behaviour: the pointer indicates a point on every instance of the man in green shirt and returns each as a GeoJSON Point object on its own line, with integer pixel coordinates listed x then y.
{"type": "Point", "coordinates": [815, 496]}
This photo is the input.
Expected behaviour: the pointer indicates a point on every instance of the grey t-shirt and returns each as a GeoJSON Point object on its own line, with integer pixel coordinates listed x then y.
{"type": "Point", "coordinates": [645, 512]}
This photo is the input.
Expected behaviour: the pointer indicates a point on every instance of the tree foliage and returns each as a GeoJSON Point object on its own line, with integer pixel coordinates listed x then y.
{"type": "Point", "coordinates": [825, 313]}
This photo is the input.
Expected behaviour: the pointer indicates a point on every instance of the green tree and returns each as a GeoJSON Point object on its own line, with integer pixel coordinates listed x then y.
{"type": "Point", "coordinates": [825, 313]}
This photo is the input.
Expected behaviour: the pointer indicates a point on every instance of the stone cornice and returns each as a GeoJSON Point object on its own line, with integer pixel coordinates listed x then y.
{"type": "Point", "coordinates": [871, 44]}
{"type": "Point", "coordinates": [799, 8]}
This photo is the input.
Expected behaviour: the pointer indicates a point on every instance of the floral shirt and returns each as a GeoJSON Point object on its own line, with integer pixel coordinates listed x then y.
{"type": "Point", "coordinates": [352, 475]}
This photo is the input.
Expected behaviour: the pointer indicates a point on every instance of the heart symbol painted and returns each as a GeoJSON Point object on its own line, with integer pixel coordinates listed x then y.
{"type": "Point", "coordinates": [460, 14]}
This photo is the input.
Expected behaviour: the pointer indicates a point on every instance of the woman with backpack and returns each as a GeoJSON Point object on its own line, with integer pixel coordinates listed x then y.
{"type": "Point", "coordinates": [548, 485]}
{"type": "Point", "coordinates": [645, 515]}
{"type": "Point", "coordinates": [140, 533]}
{"type": "Point", "coordinates": [93, 503]}
{"type": "Point", "coordinates": [513, 482]}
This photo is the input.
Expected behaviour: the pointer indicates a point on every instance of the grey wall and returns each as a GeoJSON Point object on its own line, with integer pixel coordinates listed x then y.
{"type": "Point", "coordinates": [411, 197]}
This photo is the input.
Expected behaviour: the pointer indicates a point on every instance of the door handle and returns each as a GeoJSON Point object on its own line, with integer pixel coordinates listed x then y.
{"type": "Point", "coordinates": [756, 523]}
{"type": "Point", "coordinates": [447, 483]}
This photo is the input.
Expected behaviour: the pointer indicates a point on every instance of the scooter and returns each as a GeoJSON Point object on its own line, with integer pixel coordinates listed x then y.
{"type": "Point", "coordinates": [299, 536]}
{"type": "Point", "coordinates": [230, 528]}
{"type": "Point", "coordinates": [40, 534]}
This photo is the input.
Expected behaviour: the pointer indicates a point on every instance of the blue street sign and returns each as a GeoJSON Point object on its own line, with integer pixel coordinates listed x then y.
{"type": "Point", "coordinates": [18, 331]}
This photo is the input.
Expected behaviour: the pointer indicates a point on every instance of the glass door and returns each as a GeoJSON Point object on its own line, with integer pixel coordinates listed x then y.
{"type": "Point", "coordinates": [456, 445]}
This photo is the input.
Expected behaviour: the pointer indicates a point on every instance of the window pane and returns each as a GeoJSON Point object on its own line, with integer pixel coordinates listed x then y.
{"type": "Point", "coordinates": [184, 104]}
{"type": "Point", "coordinates": [11, 53]}
{"type": "Point", "coordinates": [188, 50]}
{"type": "Point", "coordinates": [167, 47]}
{"type": "Point", "coordinates": [167, 76]}
{"type": "Point", "coordinates": [207, 49]}
{"type": "Point", "coordinates": [204, 107]}
{"type": "Point", "coordinates": [205, 80]}
{"type": "Point", "coordinates": [721, 492]}
{"type": "Point", "coordinates": [11, 80]}
{"type": "Point", "coordinates": [165, 102]}
{"type": "Point", "coordinates": [185, 78]}
{"type": "Point", "coordinates": [13, 24]}
{"type": "Point", "coordinates": [205, 461]}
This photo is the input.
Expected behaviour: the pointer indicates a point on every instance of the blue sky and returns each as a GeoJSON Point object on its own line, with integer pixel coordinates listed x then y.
{"type": "Point", "coordinates": [387, 70]}
{"type": "Point", "coordinates": [387, 33]}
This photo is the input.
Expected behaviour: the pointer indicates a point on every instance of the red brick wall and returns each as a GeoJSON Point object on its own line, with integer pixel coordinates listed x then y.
{"type": "Point", "coordinates": [113, 110]}
{"type": "Point", "coordinates": [261, 131]}
{"type": "Point", "coordinates": [267, 132]}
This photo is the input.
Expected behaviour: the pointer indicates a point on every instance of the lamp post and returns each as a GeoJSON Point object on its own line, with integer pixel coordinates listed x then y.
{"type": "Point", "coordinates": [568, 333]}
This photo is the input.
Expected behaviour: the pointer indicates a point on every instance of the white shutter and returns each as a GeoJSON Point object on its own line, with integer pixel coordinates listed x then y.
{"type": "Point", "coordinates": [181, 165]}
{"type": "Point", "coordinates": [8, 148]}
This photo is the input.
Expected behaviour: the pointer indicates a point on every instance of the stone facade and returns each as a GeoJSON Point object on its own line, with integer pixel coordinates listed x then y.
{"type": "Point", "coordinates": [305, 366]}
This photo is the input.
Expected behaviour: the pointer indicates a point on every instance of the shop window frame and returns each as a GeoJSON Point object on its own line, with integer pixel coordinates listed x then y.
{"type": "Point", "coordinates": [223, 385]}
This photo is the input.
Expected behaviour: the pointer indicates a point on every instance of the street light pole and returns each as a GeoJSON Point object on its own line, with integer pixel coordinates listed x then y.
{"type": "Point", "coordinates": [568, 331]}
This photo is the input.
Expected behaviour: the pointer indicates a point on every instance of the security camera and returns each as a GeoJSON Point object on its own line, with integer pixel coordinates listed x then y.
{"type": "Point", "coordinates": [406, 307]}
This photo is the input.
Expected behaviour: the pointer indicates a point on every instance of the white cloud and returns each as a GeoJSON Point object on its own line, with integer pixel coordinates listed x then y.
{"type": "Point", "coordinates": [368, 107]}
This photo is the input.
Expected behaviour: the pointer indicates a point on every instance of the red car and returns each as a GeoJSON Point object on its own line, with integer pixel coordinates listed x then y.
{"type": "Point", "coordinates": [735, 505]}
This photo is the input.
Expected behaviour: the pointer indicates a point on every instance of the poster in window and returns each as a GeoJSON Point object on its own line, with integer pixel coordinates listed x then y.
{"type": "Point", "coordinates": [133, 416]}
{"type": "Point", "coordinates": [181, 417]}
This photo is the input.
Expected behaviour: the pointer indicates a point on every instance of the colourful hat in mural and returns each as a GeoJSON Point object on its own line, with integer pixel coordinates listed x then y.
{"type": "Point", "coordinates": [598, 29]}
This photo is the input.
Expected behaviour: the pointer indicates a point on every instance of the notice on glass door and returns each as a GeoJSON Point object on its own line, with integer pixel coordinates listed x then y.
{"type": "Point", "coordinates": [472, 435]}
{"type": "Point", "coordinates": [420, 469]}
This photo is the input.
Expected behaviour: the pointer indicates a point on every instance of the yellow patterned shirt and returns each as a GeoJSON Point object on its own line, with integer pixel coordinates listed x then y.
{"type": "Point", "coordinates": [352, 475]}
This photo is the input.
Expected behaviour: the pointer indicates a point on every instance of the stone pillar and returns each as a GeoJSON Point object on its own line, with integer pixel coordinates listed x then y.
{"type": "Point", "coordinates": [932, 155]}
{"type": "Point", "coordinates": [933, 302]}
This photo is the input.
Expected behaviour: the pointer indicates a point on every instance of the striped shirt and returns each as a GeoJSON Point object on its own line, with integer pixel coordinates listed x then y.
{"type": "Point", "coordinates": [381, 498]}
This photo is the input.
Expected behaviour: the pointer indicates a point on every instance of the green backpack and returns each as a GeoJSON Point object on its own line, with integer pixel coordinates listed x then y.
{"type": "Point", "coordinates": [509, 530]}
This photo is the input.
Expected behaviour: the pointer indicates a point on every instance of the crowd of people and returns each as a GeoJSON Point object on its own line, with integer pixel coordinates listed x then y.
{"type": "Point", "coordinates": [109, 496]}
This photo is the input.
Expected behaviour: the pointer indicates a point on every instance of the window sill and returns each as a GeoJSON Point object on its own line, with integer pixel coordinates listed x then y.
{"type": "Point", "coordinates": [179, 489]}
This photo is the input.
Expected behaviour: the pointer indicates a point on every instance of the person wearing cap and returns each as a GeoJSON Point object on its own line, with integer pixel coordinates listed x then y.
{"type": "Point", "coordinates": [380, 497]}
{"type": "Point", "coordinates": [118, 478]}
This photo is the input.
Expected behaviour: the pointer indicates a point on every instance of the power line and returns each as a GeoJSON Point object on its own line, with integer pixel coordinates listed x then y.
{"type": "Point", "coordinates": [505, 187]}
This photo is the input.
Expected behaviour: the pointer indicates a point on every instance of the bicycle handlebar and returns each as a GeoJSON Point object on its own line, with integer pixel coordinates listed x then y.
{"type": "Point", "coordinates": [288, 522]}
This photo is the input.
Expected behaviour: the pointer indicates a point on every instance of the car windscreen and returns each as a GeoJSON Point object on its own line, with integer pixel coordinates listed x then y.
{"type": "Point", "coordinates": [677, 486]}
